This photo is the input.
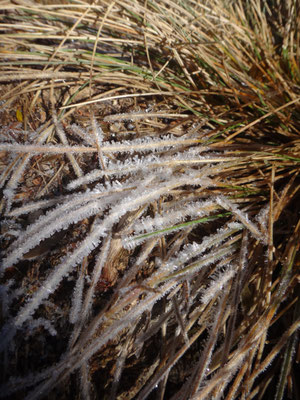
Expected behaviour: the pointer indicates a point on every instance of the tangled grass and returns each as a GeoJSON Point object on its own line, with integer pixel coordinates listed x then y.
{"type": "Point", "coordinates": [150, 199]}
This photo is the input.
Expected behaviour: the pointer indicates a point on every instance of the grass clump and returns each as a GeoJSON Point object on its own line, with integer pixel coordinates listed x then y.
{"type": "Point", "coordinates": [150, 199]}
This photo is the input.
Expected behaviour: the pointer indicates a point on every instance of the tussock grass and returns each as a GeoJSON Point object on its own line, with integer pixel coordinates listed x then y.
{"type": "Point", "coordinates": [150, 199]}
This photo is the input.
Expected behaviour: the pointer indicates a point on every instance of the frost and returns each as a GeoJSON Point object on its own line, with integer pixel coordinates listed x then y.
{"type": "Point", "coordinates": [163, 223]}
{"type": "Point", "coordinates": [7, 295]}
{"type": "Point", "coordinates": [195, 250]}
{"type": "Point", "coordinates": [77, 300]}
{"type": "Point", "coordinates": [100, 262]}
{"type": "Point", "coordinates": [55, 220]}
{"type": "Point", "coordinates": [83, 134]}
{"type": "Point", "coordinates": [35, 323]}
{"type": "Point", "coordinates": [218, 284]}
{"type": "Point", "coordinates": [173, 216]}
{"type": "Point", "coordinates": [244, 219]}
{"type": "Point", "coordinates": [131, 197]}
